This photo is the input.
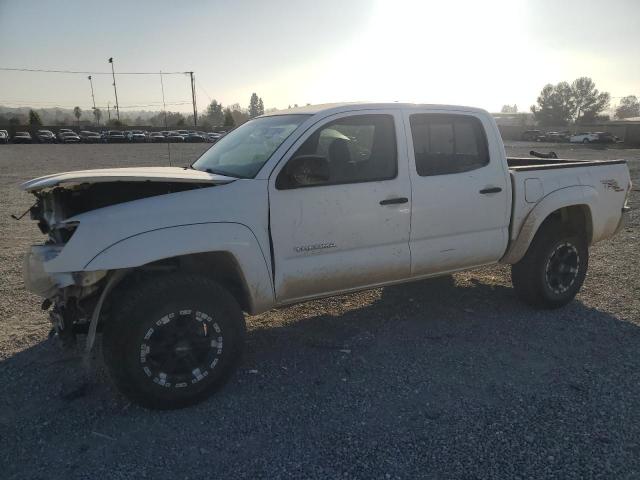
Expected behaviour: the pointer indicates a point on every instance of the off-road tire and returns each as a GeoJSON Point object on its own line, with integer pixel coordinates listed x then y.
{"type": "Point", "coordinates": [170, 310]}
{"type": "Point", "coordinates": [533, 277]}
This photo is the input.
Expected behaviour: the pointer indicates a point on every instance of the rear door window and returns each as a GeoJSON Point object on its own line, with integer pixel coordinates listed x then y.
{"type": "Point", "coordinates": [445, 144]}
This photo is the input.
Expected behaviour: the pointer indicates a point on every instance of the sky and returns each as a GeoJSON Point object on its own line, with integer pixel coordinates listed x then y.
{"type": "Point", "coordinates": [480, 53]}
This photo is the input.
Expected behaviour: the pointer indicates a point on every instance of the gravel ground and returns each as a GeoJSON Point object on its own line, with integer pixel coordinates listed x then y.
{"type": "Point", "coordinates": [448, 378]}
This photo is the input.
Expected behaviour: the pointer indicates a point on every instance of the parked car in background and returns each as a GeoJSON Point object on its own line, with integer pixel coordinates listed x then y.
{"type": "Point", "coordinates": [68, 137]}
{"type": "Point", "coordinates": [195, 137]}
{"type": "Point", "coordinates": [4, 136]}
{"type": "Point", "coordinates": [606, 137]}
{"type": "Point", "coordinates": [174, 137]}
{"type": "Point", "coordinates": [155, 137]}
{"type": "Point", "coordinates": [584, 137]}
{"type": "Point", "coordinates": [45, 136]}
{"type": "Point", "coordinates": [90, 137]}
{"type": "Point", "coordinates": [554, 137]}
{"type": "Point", "coordinates": [531, 135]}
{"type": "Point", "coordinates": [22, 137]}
{"type": "Point", "coordinates": [114, 136]}
{"type": "Point", "coordinates": [183, 133]}
{"type": "Point", "coordinates": [65, 130]}
{"type": "Point", "coordinates": [135, 136]}
{"type": "Point", "coordinates": [213, 137]}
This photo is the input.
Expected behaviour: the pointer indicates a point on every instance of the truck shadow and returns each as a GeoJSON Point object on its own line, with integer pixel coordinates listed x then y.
{"type": "Point", "coordinates": [477, 336]}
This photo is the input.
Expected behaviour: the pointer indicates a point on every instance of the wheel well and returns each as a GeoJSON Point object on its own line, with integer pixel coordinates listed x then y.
{"type": "Point", "coordinates": [576, 218]}
{"type": "Point", "coordinates": [219, 266]}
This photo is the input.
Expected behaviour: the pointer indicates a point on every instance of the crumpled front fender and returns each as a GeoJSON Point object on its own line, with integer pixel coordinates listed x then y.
{"type": "Point", "coordinates": [163, 243]}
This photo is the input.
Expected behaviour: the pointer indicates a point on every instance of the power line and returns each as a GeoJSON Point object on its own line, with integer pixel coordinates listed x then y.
{"type": "Point", "coordinates": [40, 70]}
{"type": "Point", "coordinates": [205, 92]}
{"type": "Point", "coordinates": [43, 105]}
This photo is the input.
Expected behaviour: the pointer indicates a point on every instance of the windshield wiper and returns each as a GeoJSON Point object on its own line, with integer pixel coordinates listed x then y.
{"type": "Point", "coordinates": [226, 174]}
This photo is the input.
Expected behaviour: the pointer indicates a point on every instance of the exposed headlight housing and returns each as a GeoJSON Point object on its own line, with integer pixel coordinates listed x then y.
{"type": "Point", "coordinates": [36, 279]}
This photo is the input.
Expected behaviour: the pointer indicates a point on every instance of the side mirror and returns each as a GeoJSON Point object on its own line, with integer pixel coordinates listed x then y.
{"type": "Point", "coordinates": [303, 171]}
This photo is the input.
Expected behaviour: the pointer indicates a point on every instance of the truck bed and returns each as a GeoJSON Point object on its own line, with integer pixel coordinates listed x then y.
{"type": "Point", "coordinates": [527, 164]}
{"type": "Point", "coordinates": [599, 185]}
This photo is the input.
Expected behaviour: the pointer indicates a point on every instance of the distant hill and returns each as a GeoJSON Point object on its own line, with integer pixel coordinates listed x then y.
{"type": "Point", "coordinates": [64, 116]}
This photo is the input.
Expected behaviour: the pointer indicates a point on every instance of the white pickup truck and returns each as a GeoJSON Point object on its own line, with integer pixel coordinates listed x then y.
{"type": "Point", "coordinates": [295, 205]}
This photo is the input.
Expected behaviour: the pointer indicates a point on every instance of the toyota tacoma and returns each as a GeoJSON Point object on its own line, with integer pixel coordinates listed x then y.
{"type": "Point", "coordinates": [296, 205]}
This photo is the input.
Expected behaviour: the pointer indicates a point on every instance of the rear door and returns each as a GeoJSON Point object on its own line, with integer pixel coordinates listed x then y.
{"type": "Point", "coordinates": [461, 192]}
{"type": "Point", "coordinates": [352, 230]}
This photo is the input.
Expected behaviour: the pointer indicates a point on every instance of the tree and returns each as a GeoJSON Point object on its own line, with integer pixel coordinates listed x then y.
{"type": "Point", "coordinates": [77, 112]}
{"type": "Point", "coordinates": [556, 105]}
{"type": "Point", "coordinates": [239, 114]}
{"type": "Point", "coordinates": [173, 119]}
{"type": "Point", "coordinates": [580, 102]}
{"type": "Point", "coordinates": [509, 109]}
{"type": "Point", "coordinates": [97, 114]}
{"type": "Point", "coordinates": [114, 122]}
{"type": "Point", "coordinates": [34, 118]}
{"type": "Point", "coordinates": [629, 107]}
{"type": "Point", "coordinates": [214, 113]}
{"type": "Point", "coordinates": [256, 106]}
{"type": "Point", "coordinates": [589, 102]}
{"type": "Point", "coordinates": [228, 118]}
{"type": "Point", "coordinates": [14, 121]}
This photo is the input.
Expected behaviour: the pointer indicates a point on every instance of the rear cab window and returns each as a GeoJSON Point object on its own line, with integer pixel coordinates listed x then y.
{"type": "Point", "coordinates": [445, 144]}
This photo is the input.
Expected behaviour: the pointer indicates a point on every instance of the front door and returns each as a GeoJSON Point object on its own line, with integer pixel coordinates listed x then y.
{"type": "Point", "coordinates": [348, 228]}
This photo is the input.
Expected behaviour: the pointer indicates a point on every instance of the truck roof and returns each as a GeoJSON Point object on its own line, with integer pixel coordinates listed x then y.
{"type": "Point", "coordinates": [351, 106]}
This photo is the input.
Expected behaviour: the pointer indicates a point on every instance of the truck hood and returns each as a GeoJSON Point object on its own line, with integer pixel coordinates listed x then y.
{"type": "Point", "coordinates": [135, 174]}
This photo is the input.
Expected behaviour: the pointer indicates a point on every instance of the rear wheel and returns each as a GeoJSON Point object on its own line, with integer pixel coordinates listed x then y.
{"type": "Point", "coordinates": [553, 269]}
{"type": "Point", "coordinates": [585, 141]}
{"type": "Point", "coordinates": [173, 341]}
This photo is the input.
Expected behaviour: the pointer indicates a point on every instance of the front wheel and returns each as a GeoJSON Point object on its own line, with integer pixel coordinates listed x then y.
{"type": "Point", "coordinates": [554, 268]}
{"type": "Point", "coordinates": [173, 341]}
{"type": "Point", "coordinates": [585, 141]}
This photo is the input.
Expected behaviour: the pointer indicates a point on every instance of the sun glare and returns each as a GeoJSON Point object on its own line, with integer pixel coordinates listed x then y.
{"type": "Point", "coordinates": [423, 51]}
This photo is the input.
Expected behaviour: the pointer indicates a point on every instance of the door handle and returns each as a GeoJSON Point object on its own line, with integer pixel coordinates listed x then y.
{"type": "Point", "coordinates": [394, 201]}
{"type": "Point", "coordinates": [484, 191]}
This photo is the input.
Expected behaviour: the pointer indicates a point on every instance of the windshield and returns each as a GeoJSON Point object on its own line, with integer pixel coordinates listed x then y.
{"type": "Point", "coordinates": [243, 152]}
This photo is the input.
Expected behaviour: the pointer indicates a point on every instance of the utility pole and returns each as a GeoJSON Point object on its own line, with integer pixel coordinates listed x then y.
{"type": "Point", "coordinates": [193, 98]}
{"type": "Point", "coordinates": [92, 97]}
{"type": "Point", "coordinates": [115, 90]}
{"type": "Point", "coordinates": [109, 111]}
{"type": "Point", "coordinates": [164, 105]}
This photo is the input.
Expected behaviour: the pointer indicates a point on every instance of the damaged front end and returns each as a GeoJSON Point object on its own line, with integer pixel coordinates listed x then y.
{"type": "Point", "coordinates": [72, 295]}
{"type": "Point", "coordinates": [74, 298]}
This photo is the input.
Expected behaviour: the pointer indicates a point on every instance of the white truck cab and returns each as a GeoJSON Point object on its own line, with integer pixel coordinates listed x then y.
{"type": "Point", "coordinates": [300, 204]}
